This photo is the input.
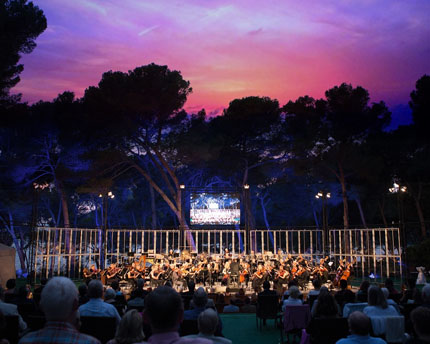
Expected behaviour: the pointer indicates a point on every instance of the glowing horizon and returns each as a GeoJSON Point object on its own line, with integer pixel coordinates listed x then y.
{"type": "Point", "coordinates": [229, 50]}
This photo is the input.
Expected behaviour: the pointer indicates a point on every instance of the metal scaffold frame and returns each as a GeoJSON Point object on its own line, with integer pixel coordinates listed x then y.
{"type": "Point", "coordinates": [66, 251]}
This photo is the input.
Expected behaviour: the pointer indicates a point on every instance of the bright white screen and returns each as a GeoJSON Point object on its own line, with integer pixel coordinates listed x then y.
{"type": "Point", "coordinates": [214, 209]}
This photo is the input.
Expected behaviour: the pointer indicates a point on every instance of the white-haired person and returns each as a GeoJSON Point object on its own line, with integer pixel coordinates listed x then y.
{"type": "Point", "coordinates": [59, 302]}
{"type": "Point", "coordinates": [293, 298]}
{"type": "Point", "coordinates": [207, 323]}
{"type": "Point", "coordinates": [96, 307]}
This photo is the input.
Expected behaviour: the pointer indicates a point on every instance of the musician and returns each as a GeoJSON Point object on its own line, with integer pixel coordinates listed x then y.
{"type": "Point", "coordinates": [281, 278]}
{"type": "Point", "coordinates": [257, 278]}
{"type": "Point", "coordinates": [156, 275]}
{"type": "Point", "coordinates": [111, 273]}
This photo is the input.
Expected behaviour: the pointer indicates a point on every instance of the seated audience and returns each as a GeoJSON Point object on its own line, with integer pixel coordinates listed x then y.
{"type": "Point", "coordinates": [266, 289]}
{"type": "Point", "coordinates": [95, 307]}
{"type": "Point", "coordinates": [390, 302]}
{"type": "Point", "coordinates": [11, 309]}
{"type": "Point", "coordinates": [59, 302]}
{"type": "Point", "coordinates": [389, 284]}
{"type": "Point", "coordinates": [323, 290]}
{"type": "Point", "coordinates": [378, 304]}
{"type": "Point", "coordinates": [290, 284]}
{"type": "Point", "coordinates": [361, 295]}
{"type": "Point", "coordinates": [139, 291]}
{"type": "Point", "coordinates": [138, 300]}
{"type": "Point", "coordinates": [412, 294]}
{"type": "Point", "coordinates": [110, 296]}
{"type": "Point", "coordinates": [344, 295]}
{"type": "Point", "coordinates": [360, 326]}
{"type": "Point", "coordinates": [207, 323]}
{"type": "Point", "coordinates": [2, 328]}
{"type": "Point", "coordinates": [10, 285]}
{"type": "Point", "coordinates": [425, 295]}
{"type": "Point", "coordinates": [231, 308]}
{"type": "Point", "coordinates": [317, 286]}
{"type": "Point", "coordinates": [164, 312]}
{"type": "Point", "coordinates": [38, 291]}
{"type": "Point", "coordinates": [326, 306]}
{"type": "Point", "coordinates": [293, 299]}
{"type": "Point", "coordinates": [420, 318]}
{"type": "Point", "coordinates": [115, 286]}
{"type": "Point", "coordinates": [247, 307]}
{"type": "Point", "coordinates": [130, 329]}
{"type": "Point", "coordinates": [83, 294]}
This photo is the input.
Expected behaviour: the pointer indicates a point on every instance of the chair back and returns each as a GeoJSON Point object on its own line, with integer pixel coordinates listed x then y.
{"type": "Point", "coordinates": [329, 330]}
{"type": "Point", "coordinates": [188, 327]}
{"type": "Point", "coordinates": [102, 328]}
{"type": "Point", "coordinates": [11, 330]}
{"type": "Point", "coordinates": [296, 317]}
{"type": "Point", "coordinates": [395, 329]}
{"type": "Point", "coordinates": [348, 308]}
{"type": "Point", "coordinates": [267, 306]}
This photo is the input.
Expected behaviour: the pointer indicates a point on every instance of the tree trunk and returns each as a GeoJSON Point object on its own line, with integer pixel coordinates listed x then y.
{"type": "Point", "coordinates": [420, 217]}
{"type": "Point", "coordinates": [153, 209]}
{"type": "Point", "coordinates": [360, 209]}
{"type": "Point", "coordinates": [344, 197]}
{"type": "Point", "coordinates": [381, 210]}
{"type": "Point", "coordinates": [11, 229]}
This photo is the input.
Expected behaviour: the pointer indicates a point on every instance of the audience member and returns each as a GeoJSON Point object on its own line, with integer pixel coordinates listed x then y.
{"type": "Point", "coordinates": [59, 302]}
{"type": "Point", "coordinates": [360, 326]}
{"type": "Point", "coordinates": [115, 286]}
{"type": "Point", "coordinates": [247, 307]}
{"type": "Point", "coordinates": [231, 308]}
{"type": "Point", "coordinates": [139, 291]}
{"type": "Point", "coordinates": [138, 301]}
{"type": "Point", "coordinates": [38, 291]}
{"type": "Point", "coordinates": [389, 284]}
{"type": "Point", "coordinates": [344, 295]}
{"type": "Point", "coordinates": [378, 304]}
{"type": "Point", "coordinates": [412, 293]}
{"type": "Point", "coordinates": [326, 306]}
{"type": "Point", "coordinates": [83, 294]}
{"type": "Point", "coordinates": [130, 328]}
{"type": "Point", "coordinates": [11, 309]}
{"type": "Point", "coordinates": [293, 299]}
{"type": "Point", "coordinates": [361, 295]}
{"type": "Point", "coordinates": [266, 289]}
{"type": "Point", "coordinates": [390, 302]}
{"type": "Point", "coordinates": [164, 312]}
{"type": "Point", "coordinates": [110, 296]}
{"type": "Point", "coordinates": [207, 324]}
{"type": "Point", "coordinates": [95, 307]}
{"type": "Point", "coordinates": [425, 295]}
{"type": "Point", "coordinates": [10, 285]}
{"type": "Point", "coordinates": [2, 328]}
{"type": "Point", "coordinates": [317, 286]}
{"type": "Point", "coordinates": [290, 284]}
{"type": "Point", "coordinates": [420, 318]}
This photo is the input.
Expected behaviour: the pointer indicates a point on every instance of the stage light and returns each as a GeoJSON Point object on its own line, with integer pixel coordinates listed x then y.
{"type": "Point", "coordinates": [110, 193]}
{"type": "Point", "coordinates": [320, 194]}
{"type": "Point", "coordinates": [403, 189]}
{"type": "Point", "coordinates": [328, 195]}
{"type": "Point", "coordinates": [246, 186]}
{"type": "Point", "coordinates": [182, 186]}
{"type": "Point", "coordinates": [112, 196]}
{"type": "Point", "coordinates": [316, 196]}
{"type": "Point", "coordinates": [100, 195]}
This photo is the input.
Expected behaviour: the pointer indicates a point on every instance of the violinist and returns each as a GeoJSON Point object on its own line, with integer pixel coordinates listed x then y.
{"type": "Point", "coordinates": [132, 272]}
{"type": "Point", "coordinates": [257, 278]}
{"type": "Point", "coordinates": [156, 275]}
{"type": "Point", "coordinates": [281, 278]}
{"type": "Point", "coordinates": [112, 272]}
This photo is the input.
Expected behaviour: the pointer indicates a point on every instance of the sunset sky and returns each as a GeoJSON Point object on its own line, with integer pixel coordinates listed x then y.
{"type": "Point", "coordinates": [231, 49]}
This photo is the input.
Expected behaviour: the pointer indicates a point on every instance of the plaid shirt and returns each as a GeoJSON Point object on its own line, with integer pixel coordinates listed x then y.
{"type": "Point", "coordinates": [58, 332]}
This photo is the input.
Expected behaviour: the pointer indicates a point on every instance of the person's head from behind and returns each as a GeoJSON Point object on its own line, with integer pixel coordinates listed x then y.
{"type": "Point", "coordinates": [95, 289]}
{"type": "Point", "coordinates": [326, 305]}
{"type": "Point", "coordinates": [59, 300]}
{"type": "Point", "coordinates": [140, 283]}
{"type": "Point", "coordinates": [294, 292]}
{"type": "Point", "coordinates": [191, 286]}
{"type": "Point", "coordinates": [83, 290]}
{"type": "Point", "coordinates": [316, 283]}
{"type": "Point", "coordinates": [207, 322]}
{"type": "Point", "coordinates": [22, 292]}
{"type": "Point", "coordinates": [200, 297]}
{"type": "Point", "coordinates": [164, 309]}
{"type": "Point", "coordinates": [110, 294]}
{"type": "Point", "coordinates": [130, 328]}
{"type": "Point", "coordinates": [343, 284]}
{"type": "Point", "coordinates": [43, 281]}
{"type": "Point", "coordinates": [375, 297]}
{"type": "Point", "coordinates": [292, 283]}
{"type": "Point", "coordinates": [425, 294]}
{"type": "Point", "coordinates": [364, 286]}
{"type": "Point", "coordinates": [115, 285]}
{"type": "Point", "coordinates": [385, 292]}
{"type": "Point", "coordinates": [266, 285]}
{"type": "Point", "coordinates": [11, 283]}
{"type": "Point", "coordinates": [420, 317]}
{"type": "Point", "coordinates": [359, 323]}
{"type": "Point", "coordinates": [389, 284]}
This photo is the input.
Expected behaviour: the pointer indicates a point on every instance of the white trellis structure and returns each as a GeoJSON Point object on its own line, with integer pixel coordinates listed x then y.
{"type": "Point", "coordinates": [66, 251]}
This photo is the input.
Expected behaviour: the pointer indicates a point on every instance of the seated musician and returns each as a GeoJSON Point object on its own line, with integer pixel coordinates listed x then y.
{"type": "Point", "coordinates": [257, 278]}
{"type": "Point", "coordinates": [112, 272]}
{"type": "Point", "coordinates": [132, 272]}
{"type": "Point", "coordinates": [156, 275]}
{"type": "Point", "coordinates": [281, 278]}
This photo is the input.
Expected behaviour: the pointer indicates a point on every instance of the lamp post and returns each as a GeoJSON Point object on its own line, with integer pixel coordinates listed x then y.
{"type": "Point", "coordinates": [399, 190]}
{"type": "Point", "coordinates": [182, 239]}
{"type": "Point", "coordinates": [102, 236]}
{"type": "Point", "coordinates": [324, 195]}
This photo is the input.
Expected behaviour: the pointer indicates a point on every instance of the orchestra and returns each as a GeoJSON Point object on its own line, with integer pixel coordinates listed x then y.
{"type": "Point", "coordinates": [228, 269]}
